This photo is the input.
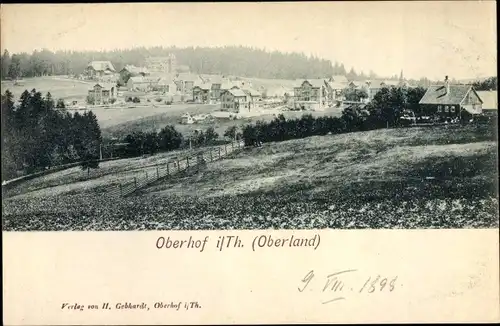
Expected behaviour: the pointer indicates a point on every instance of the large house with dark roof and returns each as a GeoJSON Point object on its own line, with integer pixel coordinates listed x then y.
{"type": "Point", "coordinates": [449, 101]}
{"type": "Point", "coordinates": [99, 68]}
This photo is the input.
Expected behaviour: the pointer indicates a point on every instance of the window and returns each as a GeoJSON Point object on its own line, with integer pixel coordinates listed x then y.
{"type": "Point", "coordinates": [452, 109]}
{"type": "Point", "coordinates": [439, 108]}
{"type": "Point", "coordinates": [446, 108]}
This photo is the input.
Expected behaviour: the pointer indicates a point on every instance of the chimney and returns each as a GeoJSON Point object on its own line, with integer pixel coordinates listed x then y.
{"type": "Point", "coordinates": [447, 84]}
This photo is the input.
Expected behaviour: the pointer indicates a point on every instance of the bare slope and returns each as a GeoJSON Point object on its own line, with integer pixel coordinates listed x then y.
{"type": "Point", "coordinates": [399, 178]}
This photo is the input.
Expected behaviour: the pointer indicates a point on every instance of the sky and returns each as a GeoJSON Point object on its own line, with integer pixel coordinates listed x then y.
{"type": "Point", "coordinates": [429, 38]}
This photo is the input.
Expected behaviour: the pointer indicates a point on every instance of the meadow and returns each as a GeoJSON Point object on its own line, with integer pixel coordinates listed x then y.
{"type": "Point", "coordinates": [59, 87]}
{"type": "Point", "coordinates": [426, 177]}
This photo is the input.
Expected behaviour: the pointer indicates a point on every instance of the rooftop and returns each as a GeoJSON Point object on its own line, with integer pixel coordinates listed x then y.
{"type": "Point", "coordinates": [101, 65]}
{"type": "Point", "coordinates": [317, 83]}
{"type": "Point", "coordinates": [237, 92]}
{"type": "Point", "coordinates": [437, 94]}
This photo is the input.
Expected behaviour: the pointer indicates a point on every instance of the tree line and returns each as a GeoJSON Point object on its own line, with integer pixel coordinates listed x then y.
{"type": "Point", "coordinates": [386, 109]}
{"type": "Point", "coordinates": [227, 60]}
{"type": "Point", "coordinates": [167, 139]}
{"type": "Point", "coordinates": [38, 133]}
{"type": "Point", "coordinates": [486, 85]}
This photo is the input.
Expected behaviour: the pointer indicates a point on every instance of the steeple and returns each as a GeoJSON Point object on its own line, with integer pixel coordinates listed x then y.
{"type": "Point", "coordinates": [401, 78]}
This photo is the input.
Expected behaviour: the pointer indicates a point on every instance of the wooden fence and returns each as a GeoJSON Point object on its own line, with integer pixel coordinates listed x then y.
{"type": "Point", "coordinates": [173, 167]}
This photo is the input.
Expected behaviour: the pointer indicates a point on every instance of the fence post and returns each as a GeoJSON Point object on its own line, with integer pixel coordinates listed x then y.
{"type": "Point", "coordinates": [219, 152]}
{"type": "Point", "coordinates": [168, 170]}
{"type": "Point", "coordinates": [187, 162]}
{"type": "Point", "coordinates": [121, 190]}
{"type": "Point", "coordinates": [146, 176]}
{"type": "Point", "coordinates": [178, 166]}
{"type": "Point", "coordinates": [211, 158]}
{"type": "Point", "coordinates": [135, 182]}
{"type": "Point", "coordinates": [232, 146]}
{"type": "Point", "coordinates": [225, 148]}
{"type": "Point", "coordinates": [157, 173]}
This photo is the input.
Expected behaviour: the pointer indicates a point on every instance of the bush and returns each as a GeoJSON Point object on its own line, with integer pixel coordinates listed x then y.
{"type": "Point", "coordinates": [158, 99]}
{"type": "Point", "coordinates": [136, 100]}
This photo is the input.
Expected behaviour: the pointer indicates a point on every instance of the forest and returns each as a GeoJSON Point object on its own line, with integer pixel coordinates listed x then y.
{"type": "Point", "coordinates": [228, 60]}
{"type": "Point", "coordinates": [38, 133]}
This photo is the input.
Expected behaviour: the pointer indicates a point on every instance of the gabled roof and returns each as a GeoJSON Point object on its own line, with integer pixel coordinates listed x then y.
{"type": "Point", "coordinates": [337, 85]}
{"type": "Point", "coordinates": [252, 92]}
{"type": "Point", "coordinates": [101, 65]}
{"type": "Point", "coordinates": [237, 92]}
{"type": "Point", "coordinates": [316, 83]}
{"type": "Point", "coordinates": [339, 79]}
{"type": "Point", "coordinates": [437, 94]}
{"type": "Point", "coordinates": [489, 98]}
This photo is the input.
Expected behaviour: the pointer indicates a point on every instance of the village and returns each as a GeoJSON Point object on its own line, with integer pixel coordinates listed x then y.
{"type": "Point", "coordinates": [163, 82]}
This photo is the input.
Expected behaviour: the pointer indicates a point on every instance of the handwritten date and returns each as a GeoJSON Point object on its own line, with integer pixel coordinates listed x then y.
{"type": "Point", "coordinates": [340, 283]}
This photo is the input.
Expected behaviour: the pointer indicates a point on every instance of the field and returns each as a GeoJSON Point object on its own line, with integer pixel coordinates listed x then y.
{"type": "Point", "coordinates": [434, 177]}
{"type": "Point", "coordinates": [59, 87]}
{"type": "Point", "coordinates": [155, 122]}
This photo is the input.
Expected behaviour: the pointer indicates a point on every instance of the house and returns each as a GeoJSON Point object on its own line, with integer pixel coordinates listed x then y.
{"type": "Point", "coordinates": [99, 69]}
{"type": "Point", "coordinates": [311, 94]}
{"type": "Point", "coordinates": [337, 85]}
{"type": "Point", "coordinates": [102, 94]}
{"type": "Point", "coordinates": [166, 64]}
{"type": "Point", "coordinates": [374, 86]}
{"type": "Point", "coordinates": [216, 82]}
{"type": "Point", "coordinates": [201, 93]}
{"type": "Point", "coordinates": [490, 101]}
{"type": "Point", "coordinates": [186, 81]}
{"type": "Point", "coordinates": [447, 101]}
{"type": "Point", "coordinates": [167, 85]}
{"type": "Point", "coordinates": [143, 84]}
{"type": "Point", "coordinates": [254, 97]}
{"type": "Point", "coordinates": [234, 100]}
{"type": "Point", "coordinates": [132, 71]}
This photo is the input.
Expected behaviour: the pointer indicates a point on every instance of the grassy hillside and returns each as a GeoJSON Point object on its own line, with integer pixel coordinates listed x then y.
{"type": "Point", "coordinates": [441, 177]}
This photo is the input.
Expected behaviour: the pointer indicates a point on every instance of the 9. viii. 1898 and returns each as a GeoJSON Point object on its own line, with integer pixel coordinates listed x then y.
{"type": "Point", "coordinates": [340, 283]}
